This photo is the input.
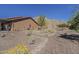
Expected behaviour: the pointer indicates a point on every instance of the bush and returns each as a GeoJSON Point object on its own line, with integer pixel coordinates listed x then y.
{"type": "Point", "coordinates": [29, 33]}
{"type": "Point", "coordinates": [63, 25]}
{"type": "Point", "coordinates": [50, 31]}
{"type": "Point", "coordinates": [77, 30]}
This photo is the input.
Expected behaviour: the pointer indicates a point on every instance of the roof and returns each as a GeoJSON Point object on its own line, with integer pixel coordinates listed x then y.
{"type": "Point", "coordinates": [4, 20]}
{"type": "Point", "coordinates": [16, 19]}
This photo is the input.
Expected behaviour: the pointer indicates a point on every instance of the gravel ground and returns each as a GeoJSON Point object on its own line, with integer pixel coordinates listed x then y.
{"type": "Point", "coordinates": [39, 42]}
{"type": "Point", "coordinates": [58, 45]}
{"type": "Point", "coordinates": [11, 39]}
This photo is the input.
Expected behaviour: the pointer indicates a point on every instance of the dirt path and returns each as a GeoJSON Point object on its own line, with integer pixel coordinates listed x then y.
{"type": "Point", "coordinates": [44, 43]}
{"type": "Point", "coordinates": [58, 45]}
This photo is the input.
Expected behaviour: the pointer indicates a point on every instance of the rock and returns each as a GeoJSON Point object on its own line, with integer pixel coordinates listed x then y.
{"type": "Point", "coordinates": [32, 42]}
{"type": "Point", "coordinates": [3, 35]}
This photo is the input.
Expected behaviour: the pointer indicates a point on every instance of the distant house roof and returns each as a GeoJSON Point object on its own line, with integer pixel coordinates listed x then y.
{"type": "Point", "coordinates": [16, 19]}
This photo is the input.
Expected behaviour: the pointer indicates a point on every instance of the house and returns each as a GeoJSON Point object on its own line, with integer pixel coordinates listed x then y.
{"type": "Point", "coordinates": [18, 23]}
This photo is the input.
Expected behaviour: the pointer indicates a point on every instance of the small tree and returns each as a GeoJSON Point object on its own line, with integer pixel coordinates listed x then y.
{"type": "Point", "coordinates": [41, 21]}
{"type": "Point", "coordinates": [74, 22]}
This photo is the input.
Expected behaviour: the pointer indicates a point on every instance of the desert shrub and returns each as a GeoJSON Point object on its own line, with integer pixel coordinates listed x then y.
{"type": "Point", "coordinates": [50, 31]}
{"type": "Point", "coordinates": [29, 32]}
{"type": "Point", "coordinates": [19, 49]}
{"type": "Point", "coordinates": [62, 25]}
{"type": "Point", "coordinates": [77, 30]}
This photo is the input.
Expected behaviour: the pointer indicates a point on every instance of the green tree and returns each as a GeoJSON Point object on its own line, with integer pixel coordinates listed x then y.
{"type": "Point", "coordinates": [41, 21]}
{"type": "Point", "coordinates": [74, 22]}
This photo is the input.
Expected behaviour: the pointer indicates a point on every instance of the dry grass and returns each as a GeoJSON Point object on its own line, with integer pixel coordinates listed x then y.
{"type": "Point", "coordinates": [51, 31]}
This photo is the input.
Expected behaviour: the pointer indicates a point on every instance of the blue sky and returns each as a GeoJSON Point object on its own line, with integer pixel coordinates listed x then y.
{"type": "Point", "coordinates": [52, 11]}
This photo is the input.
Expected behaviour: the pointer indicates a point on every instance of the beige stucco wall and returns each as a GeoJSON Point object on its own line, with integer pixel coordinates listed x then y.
{"type": "Point", "coordinates": [23, 25]}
